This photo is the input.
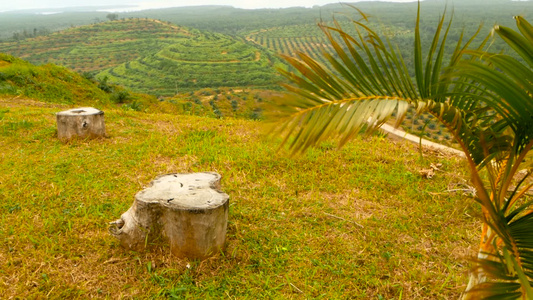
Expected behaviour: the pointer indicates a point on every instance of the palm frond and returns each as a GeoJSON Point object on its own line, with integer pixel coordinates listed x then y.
{"type": "Point", "coordinates": [510, 93]}
{"type": "Point", "coordinates": [484, 99]}
{"type": "Point", "coordinates": [510, 268]}
{"type": "Point", "coordinates": [366, 81]}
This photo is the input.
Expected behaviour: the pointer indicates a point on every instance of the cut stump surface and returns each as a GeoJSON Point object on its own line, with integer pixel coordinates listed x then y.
{"type": "Point", "coordinates": [188, 210]}
{"type": "Point", "coordinates": [84, 122]}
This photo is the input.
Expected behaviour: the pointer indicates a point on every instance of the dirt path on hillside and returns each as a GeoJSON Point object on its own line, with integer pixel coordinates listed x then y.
{"type": "Point", "coordinates": [396, 133]}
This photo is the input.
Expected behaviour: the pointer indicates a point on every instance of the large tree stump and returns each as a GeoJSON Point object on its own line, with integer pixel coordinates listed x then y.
{"type": "Point", "coordinates": [188, 210]}
{"type": "Point", "coordinates": [85, 122]}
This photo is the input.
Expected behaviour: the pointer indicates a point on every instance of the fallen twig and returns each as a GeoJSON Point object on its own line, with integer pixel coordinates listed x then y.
{"type": "Point", "coordinates": [297, 289]}
{"type": "Point", "coordinates": [337, 217]}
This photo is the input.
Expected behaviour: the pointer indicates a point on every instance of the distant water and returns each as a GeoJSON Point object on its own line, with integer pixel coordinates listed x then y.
{"type": "Point", "coordinates": [251, 4]}
{"type": "Point", "coordinates": [49, 13]}
{"type": "Point", "coordinates": [85, 5]}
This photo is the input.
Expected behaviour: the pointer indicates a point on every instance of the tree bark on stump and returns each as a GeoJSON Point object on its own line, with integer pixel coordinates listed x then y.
{"type": "Point", "coordinates": [188, 210]}
{"type": "Point", "coordinates": [85, 122]}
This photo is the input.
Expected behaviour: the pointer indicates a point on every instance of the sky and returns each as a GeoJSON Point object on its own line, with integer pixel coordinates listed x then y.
{"type": "Point", "coordinates": [7, 5]}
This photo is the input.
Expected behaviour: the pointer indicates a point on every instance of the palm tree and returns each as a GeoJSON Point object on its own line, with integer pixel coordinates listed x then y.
{"type": "Point", "coordinates": [484, 99]}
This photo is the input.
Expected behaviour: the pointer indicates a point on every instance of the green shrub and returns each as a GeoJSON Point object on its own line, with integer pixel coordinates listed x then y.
{"type": "Point", "coordinates": [7, 89]}
{"type": "Point", "coordinates": [234, 105]}
{"type": "Point", "coordinates": [104, 86]}
{"type": "Point", "coordinates": [120, 97]}
{"type": "Point", "coordinates": [217, 113]}
{"type": "Point", "coordinates": [256, 114]}
{"type": "Point", "coordinates": [88, 75]}
{"type": "Point", "coordinates": [135, 105]}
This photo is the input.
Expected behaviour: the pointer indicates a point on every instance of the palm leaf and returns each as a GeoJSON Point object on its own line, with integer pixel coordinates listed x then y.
{"type": "Point", "coordinates": [367, 80]}
{"type": "Point", "coordinates": [522, 44]}
{"type": "Point", "coordinates": [484, 99]}
{"type": "Point", "coordinates": [525, 28]}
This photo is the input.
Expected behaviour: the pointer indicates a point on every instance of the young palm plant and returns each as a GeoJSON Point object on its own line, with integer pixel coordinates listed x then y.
{"type": "Point", "coordinates": [484, 99]}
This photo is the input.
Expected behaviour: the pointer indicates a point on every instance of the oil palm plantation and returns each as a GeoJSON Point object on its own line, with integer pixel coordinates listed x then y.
{"type": "Point", "coordinates": [484, 99]}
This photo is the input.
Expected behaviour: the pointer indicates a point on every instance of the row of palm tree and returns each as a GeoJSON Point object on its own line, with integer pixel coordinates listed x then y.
{"type": "Point", "coordinates": [484, 99]}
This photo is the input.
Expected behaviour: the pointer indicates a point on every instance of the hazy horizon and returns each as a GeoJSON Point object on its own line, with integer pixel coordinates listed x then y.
{"type": "Point", "coordinates": [136, 5]}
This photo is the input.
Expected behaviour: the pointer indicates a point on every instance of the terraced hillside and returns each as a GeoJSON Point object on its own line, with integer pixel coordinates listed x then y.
{"type": "Point", "coordinates": [291, 39]}
{"type": "Point", "coordinates": [151, 56]}
{"type": "Point", "coordinates": [310, 39]}
{"type": "Point", "coordinates": [98, 46]}
{"type": "Point", "coordinates": [199, 61]}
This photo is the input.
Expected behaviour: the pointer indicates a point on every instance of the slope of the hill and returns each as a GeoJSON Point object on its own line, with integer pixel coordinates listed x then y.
{"type": "Point", "coordinates": [53, 84]}
{"type": "Point", "coordinates": [48, 83]}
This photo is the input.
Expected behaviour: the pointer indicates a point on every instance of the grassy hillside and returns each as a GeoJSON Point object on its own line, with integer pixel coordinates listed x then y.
{"type": "Point", "coordinates": [355, 223]}
{"type": "Point", "coordinates": [54, 84]}
{"type": "Point", "coordinates": [50, 83]}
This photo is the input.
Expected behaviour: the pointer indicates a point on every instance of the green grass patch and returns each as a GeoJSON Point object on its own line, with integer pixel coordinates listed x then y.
{"type": "Point", "coordinates": [354, 223]}
{"type": "Point", "coordinates": [48, 83]}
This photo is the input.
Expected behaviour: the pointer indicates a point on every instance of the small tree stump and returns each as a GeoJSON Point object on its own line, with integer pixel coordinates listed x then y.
{"type": "Point", "coordinates": [85, 122]}
{"type": "Point", "coordinates": [188, 210]}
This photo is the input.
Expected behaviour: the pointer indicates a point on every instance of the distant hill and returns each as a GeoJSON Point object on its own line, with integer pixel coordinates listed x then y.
{"type": "Point", "coordinates": [152, 56]}
{"type": "Point", "coordinates": [239, 22]}
{"type": "Point", "coordinates": [98, 46]}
